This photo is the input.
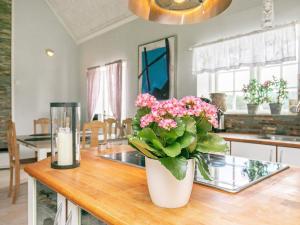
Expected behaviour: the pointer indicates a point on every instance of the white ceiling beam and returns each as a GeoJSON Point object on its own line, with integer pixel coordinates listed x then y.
{"type": "Point", "coordinates": [107, 29]}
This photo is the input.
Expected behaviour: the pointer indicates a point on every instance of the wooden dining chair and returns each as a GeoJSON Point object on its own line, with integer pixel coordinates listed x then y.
{"type": "Point", "coordinates": [112, 124]}
{"type": "Point", "coordinates": [127, 126]}
{"type": "Point", "coordinates": [15, 163]}
{"type": "Point", "coordinates": [94, 128]}
{"type": "Point", "coordinates": [43, 123]}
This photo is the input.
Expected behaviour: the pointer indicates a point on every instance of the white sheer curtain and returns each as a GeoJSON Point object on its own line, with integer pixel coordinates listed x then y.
{"type": "Point", "coordinates": [114, 72]}
{"type": "Point", "coordinates": [103, 106]}
{"type": "Point", "coordinates": [111, 101]}
{"type": "Point", "coordinates": [256, 49]}
{"type": "Point", "coordinates": [93, 88]}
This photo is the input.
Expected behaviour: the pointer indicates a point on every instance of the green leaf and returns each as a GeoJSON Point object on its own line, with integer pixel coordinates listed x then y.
{"type": "Point", "coordinates": [211, 143]}
{"type": "Point", "coordinates": [186, 140]}
{"type": "Point", "coordinates": [142, 147]}
{"type": "Point", "coordinates": [185, 153]}
{"type": "Point", "coordinates": [192, 147]}
{"type": "Point", "coordinates": [149, 135]}
{"type": "Point", "coordinates": [168, 135]}
{"type": "Point", "coordinates": [180, 127]}
{"type": "Point", "coordinates": [177, 166]}
{"type": "Point", "coordinates": [203, 126]}
{"type": "Point", "coordinates": [137, 119]}
{"type": "Point", "coordinates": [190, 124]}
{"type": "Point", "coordinates": [203, 168]}
{"type": "Point", "coordinates": [172, 150]}
{"type": "Point", "coordinates": [157, 144]}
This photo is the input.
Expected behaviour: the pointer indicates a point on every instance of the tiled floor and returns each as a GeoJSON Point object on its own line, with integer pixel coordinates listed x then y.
{"type": "Point", "coordinates": [13, 214]}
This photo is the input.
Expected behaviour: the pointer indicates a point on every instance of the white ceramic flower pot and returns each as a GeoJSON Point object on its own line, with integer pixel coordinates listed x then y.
{"type": "Point", "coordinates": [165, 190]}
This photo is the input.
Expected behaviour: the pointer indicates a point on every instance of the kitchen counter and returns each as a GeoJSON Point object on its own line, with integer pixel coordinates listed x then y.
{"type": "Point", "coordinates": [117, 193]}
{"type": "Point", "coordinates": [252, 138]}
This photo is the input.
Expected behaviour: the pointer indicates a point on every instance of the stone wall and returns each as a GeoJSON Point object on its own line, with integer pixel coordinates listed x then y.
{"type": "Point", "coordinates": [5, 68]}
{"type": "Point", "coordinates": [263, 124]}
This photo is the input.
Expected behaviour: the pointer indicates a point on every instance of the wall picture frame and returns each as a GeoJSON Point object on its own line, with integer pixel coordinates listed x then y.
{"type": "Point", "coordinates": [157, 68]}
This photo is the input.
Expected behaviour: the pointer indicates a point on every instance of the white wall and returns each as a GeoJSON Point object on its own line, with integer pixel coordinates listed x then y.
{"type": "Point", "coordinates": [122, 43]}
{"type": "Point", "coordinates": [39, 79]}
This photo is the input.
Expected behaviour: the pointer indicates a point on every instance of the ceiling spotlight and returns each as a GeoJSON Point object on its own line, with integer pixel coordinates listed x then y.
{"type": "Point", "coordinates": [178, 11]}
{"type": "Point", "coordinates": [49, 52]}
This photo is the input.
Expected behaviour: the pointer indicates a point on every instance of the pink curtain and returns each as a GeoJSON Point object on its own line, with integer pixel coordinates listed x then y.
{"type": "Point", "coordinates": [93, 91]}
{"type": "Point", "coordinates": [115, 88]}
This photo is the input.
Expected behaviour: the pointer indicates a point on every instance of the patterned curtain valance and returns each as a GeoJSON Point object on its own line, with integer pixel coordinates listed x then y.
{"type": "Point", "coordinates": [260, 48]}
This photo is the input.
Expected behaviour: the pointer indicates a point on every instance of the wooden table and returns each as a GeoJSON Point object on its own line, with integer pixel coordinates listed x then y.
{"type": "Point", "coordinates": [43, 147]}
{"type": "Point", "coordinates": [118, 194]}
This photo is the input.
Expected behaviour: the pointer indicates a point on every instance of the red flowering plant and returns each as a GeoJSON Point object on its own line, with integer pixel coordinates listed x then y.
{"type": "Point", "coordinates": [175, 131]}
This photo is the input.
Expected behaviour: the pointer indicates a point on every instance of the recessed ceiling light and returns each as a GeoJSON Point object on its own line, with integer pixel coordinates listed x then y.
{"type": "Point", "coordinates": [49, 52]}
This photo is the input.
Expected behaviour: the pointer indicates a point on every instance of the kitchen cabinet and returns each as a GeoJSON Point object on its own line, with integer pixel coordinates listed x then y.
{"type": "Point", "coordinates": [289, 156]}
{"type": "Point", "coordinates": [229, 148]}
{"type": "Point", "coordinates": [254, 151]}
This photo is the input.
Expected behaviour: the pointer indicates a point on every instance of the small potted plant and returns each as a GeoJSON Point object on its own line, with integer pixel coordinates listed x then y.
{"type": "Point", "coordinates": [254, 95]}
{"type": "Point", "coordinates": [174, 135]}
{"type": "Point", "coordinates": [277, 95]}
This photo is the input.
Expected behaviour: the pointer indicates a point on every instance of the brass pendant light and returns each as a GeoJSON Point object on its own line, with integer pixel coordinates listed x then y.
{"type": "Point", "coordinates": [178, 11]}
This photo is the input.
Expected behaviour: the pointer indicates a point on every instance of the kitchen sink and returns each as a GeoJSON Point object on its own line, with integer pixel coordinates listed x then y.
{"type": "Point", "coordinates": [280, 138]}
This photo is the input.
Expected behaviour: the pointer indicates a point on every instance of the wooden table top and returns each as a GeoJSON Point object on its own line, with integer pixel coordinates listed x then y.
{"type": "Point", "coordinates": [118, 194]}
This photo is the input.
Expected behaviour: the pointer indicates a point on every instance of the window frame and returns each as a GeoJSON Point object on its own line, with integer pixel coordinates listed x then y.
{"type": "Point", "coordinates": [255, 72]}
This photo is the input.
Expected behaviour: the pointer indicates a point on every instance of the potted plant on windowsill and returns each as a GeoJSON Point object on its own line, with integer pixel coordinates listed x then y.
{"type": "Point", "coordinates": [253, 95]}
{"type": "Point", "coordinates": [174, 135]}
{"type": "Point", "coordinates": [277, 94]}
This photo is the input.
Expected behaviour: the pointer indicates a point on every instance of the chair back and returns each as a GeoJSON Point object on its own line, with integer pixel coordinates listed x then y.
{"type": "Point", "coordinates": [13, 150]}
{"type": "Point", "coordinates": [44, 124]}
{"type": "Point", "coordinates": [127, 126]}
{"type": "Point", "coordinates": [109, 123]}
{"type": "Point", "coordinates": [94, 128]}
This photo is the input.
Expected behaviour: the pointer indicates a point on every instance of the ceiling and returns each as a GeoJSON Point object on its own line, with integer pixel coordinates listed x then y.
{"type": "Point", "coordinates": [85, 19]}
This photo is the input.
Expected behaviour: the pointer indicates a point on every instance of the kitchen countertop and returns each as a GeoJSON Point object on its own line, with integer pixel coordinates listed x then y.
{"type": "Point", "coordinates": [252, 138]}
{"type": "Point", "coordinates": [118, 194]}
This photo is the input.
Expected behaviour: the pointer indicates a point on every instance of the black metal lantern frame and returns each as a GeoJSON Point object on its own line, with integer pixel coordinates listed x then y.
{"type": "Point", "coordinates": [65, 135]}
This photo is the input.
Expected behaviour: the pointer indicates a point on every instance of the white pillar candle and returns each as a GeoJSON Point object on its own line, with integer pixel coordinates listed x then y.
{"type": "Point", "coordinates": [64, 147]}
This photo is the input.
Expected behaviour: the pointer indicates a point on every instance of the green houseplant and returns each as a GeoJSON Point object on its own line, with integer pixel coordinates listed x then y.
{"type": "Point", "coordinates": [254, 95]}
{"type": "Point", "coordinates": [173, 134]}
{"type": "Point", "coordinates": [277, 94]}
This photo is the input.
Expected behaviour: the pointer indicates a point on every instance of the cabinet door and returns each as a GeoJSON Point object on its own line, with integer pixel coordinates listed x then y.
{"type": "Point", "coordinates": [50, 206]}
{"type": "Point", "coordinates": [78, 216]}
{"type": "Point", "coordinates": [289, 156]}
{"type": "Point", "coordinates": [229, 147]}
{"type": "Point", "coordinates": [254, 151]}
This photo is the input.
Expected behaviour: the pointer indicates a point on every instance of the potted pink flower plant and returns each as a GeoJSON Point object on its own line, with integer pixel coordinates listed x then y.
{"type": "Point", "coordinates": [174, 135]}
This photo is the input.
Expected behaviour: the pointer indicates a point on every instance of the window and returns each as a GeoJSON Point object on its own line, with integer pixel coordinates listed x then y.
{"type": "Point", "coordinates": [231, 82]}
{"type": "Point", "coordinates": [104, 105]}
{"type": "Point", "coordinates": [214, 64]}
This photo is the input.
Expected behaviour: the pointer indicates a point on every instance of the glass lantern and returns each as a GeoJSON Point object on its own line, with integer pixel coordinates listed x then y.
{"type": "Point", "coordinates": [65, 135]}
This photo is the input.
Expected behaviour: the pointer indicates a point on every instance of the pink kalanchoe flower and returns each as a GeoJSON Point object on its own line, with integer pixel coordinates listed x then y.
{"type": "Point", "coordinates": [146, 120]}
{"type": "Point", "coordinates": [167, 124]}
{"type": "Point", "coordinates": [145, 100]}
{"type": "Point", "coordinates": [157, 109]}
